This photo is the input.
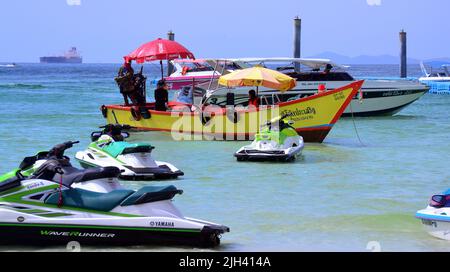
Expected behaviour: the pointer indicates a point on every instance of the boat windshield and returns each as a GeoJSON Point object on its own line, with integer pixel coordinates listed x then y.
{"type": "Point", "coordinates": [446, 69]}
{"type": "Point", "coordinates": [435, 68]}
{"type": "Point", "coordinates": [196, 66]}
{"type": "Point", "coordinates": [324, 72]}
{"type": "Point", "coordinates": [232, 65]}
{"type": "Point", "coordinates": [321, 76]}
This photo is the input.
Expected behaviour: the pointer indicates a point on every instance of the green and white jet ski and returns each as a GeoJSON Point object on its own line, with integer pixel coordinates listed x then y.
{"type": "Point", "coordinates": [30, 164]}
{"type": "Point", "coordinates": [108, 148]}
{"type": "Point", "coordinates": [276, 141]}
{"type": "Point", "coordinates": [58, 203]}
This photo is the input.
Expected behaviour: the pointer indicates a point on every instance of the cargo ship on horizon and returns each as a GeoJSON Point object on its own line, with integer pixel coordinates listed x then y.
{"type": "Point", "coordinates": [71, 56]}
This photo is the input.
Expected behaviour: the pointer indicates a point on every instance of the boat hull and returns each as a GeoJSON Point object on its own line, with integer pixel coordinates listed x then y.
{"type": "Point", "coordinates": [61, 60]}
{"type": "Point", "coordinates": [380, 97]}
{"type": "Point", "coordinates": [383, 103]}
{"type": "Point", "coordinates": [313, 117]}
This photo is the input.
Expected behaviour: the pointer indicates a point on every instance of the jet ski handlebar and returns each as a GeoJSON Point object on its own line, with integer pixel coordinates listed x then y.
{"type": "Point", "coordinates": [277, 119]}
{"type": "Point", "coordinates": [58, 150]}
{"type": "Point", "coordinates": [117, 126]}
{"type": "Point", "coordinates": [53, 166]}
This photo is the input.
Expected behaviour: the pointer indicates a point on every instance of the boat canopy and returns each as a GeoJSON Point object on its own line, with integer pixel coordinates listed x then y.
{"type": "Point", "coordinates": [436, 63]}
{"type": "Point", "coordinates": [312, 63]}
{"type": "Point", "coordinates": [189, 60]}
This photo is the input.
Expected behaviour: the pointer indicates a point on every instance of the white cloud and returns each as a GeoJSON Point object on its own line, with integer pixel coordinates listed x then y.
{"type": "Point", "coordinates": [73, 2]}
{"type": "Point", "coordinates": [373, 2]}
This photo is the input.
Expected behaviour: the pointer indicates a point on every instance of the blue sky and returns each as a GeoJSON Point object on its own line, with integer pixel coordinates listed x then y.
{"type": "Point", "coordinates": [105, 30]}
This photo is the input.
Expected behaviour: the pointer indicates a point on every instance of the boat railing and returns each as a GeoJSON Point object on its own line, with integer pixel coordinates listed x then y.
{"type": "Point", "coordinates": [263, 97]}
{"type": "Point", "coordinates": [275, 96]}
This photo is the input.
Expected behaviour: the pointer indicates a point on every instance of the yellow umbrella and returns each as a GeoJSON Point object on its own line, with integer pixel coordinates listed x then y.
{"type": "Point", "coordinates": [258, 76]}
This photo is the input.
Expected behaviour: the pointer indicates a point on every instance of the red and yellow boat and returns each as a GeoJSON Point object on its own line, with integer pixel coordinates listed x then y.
{"type": "Point", "coordinates": [313, 117]}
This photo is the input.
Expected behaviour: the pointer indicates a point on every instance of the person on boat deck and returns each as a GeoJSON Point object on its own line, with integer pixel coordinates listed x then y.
{"type": "Point", "coordinates": [125, 81]}
{"type": "Point", "coordinates": [161, 96]}
{"type": "Point", "coordinates": [327, 69]}
{"type": "Point", "coordinates": [185, 95]}
{"type": "Point", "coordinates": [253, 99]}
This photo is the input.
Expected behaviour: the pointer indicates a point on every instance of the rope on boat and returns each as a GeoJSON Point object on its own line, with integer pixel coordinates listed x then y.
{"type": "Point", "coordinates": [60, 198]}
{"type": "Point", "coordinates": [354, 125]}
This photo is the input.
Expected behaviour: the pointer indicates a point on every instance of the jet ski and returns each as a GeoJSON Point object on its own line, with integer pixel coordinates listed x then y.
{"type": "Point", "coordinates": [276, 141]}
{"type": "Point", "coordinates": [108, 148]}
{"type": "Point", "coordinates": [31, 163]}
{"type": "Point", "coordinates": [58, 203]}
{"type": "Point", "coordinates": [436, 216]}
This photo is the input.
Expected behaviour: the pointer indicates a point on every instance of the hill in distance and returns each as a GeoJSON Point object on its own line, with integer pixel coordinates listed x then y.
{"type": "Point", "coordinates": [366, 59]}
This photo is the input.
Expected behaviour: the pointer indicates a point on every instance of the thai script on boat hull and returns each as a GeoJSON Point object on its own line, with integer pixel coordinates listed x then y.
{"type": "Point", "coordinates": [298, 112]}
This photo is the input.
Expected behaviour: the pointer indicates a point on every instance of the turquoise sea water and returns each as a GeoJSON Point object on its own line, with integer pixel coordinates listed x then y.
{"type": "Point", "coordinates": [337, 197]}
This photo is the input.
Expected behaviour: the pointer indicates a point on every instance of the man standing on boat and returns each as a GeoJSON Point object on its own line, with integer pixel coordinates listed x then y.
{"type": "Point", "coordinates": [253, 99]}
{"type": "Point", "coordinates": [131, 85]}
{"type": "Point", "coordinates": [161, 96]}
{"type": "Point", "coordinates": [125, 81]}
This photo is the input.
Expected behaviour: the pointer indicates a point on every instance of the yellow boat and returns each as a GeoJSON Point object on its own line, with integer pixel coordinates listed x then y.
{"type": "Point", "coordinates": [313, 117]}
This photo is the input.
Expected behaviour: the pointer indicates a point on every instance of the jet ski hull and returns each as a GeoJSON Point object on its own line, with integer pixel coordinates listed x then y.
{"type": "Point", "coordinates": [437, 224]}
{"type": "Point", "coordinates": [267, 155]}
{"type": "Point", "coordinates": [159, 170]}
{"type": "Point", "coordinates": [49, 234]}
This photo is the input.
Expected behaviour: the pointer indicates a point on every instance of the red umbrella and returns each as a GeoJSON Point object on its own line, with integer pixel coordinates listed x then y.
{"type": "Point", "coordinates": [159, 49]}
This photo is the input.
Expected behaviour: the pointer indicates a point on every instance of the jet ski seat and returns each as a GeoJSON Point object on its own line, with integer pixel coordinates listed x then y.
{"type": "Point", "coordinates": [84, 199]}
{"type": "Point", "coordinates": [151, 194]}
{"type": "Point", "coordinates": [121, 148]}
{"type": "Point", "coordinates": [73, 175]}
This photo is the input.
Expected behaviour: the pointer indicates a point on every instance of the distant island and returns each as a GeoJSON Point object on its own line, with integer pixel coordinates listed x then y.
{"type": "Point", "coordinates": [365, 59]}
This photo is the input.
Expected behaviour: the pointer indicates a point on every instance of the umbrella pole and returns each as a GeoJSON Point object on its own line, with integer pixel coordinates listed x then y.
{"type": "Point", "coordinates": [162, 72]}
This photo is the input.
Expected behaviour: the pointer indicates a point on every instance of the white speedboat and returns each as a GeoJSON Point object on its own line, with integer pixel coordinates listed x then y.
{"type": "Point", "coordinates": [439, 76]}
{"type": "Point", "coordinates": [188, 72]}
{"type": "Point", "coordinates": [436, 216]}
{"type": "Point", "coordinates": [9, 65]}
{"type": "Point", "coordinates": [380, 96]}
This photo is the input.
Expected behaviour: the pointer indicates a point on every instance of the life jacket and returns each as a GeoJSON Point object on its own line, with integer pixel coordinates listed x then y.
{"type": "Point", "coordinates": [254, 102]}
{"type": "Point", "coordinates": [185, 70]}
